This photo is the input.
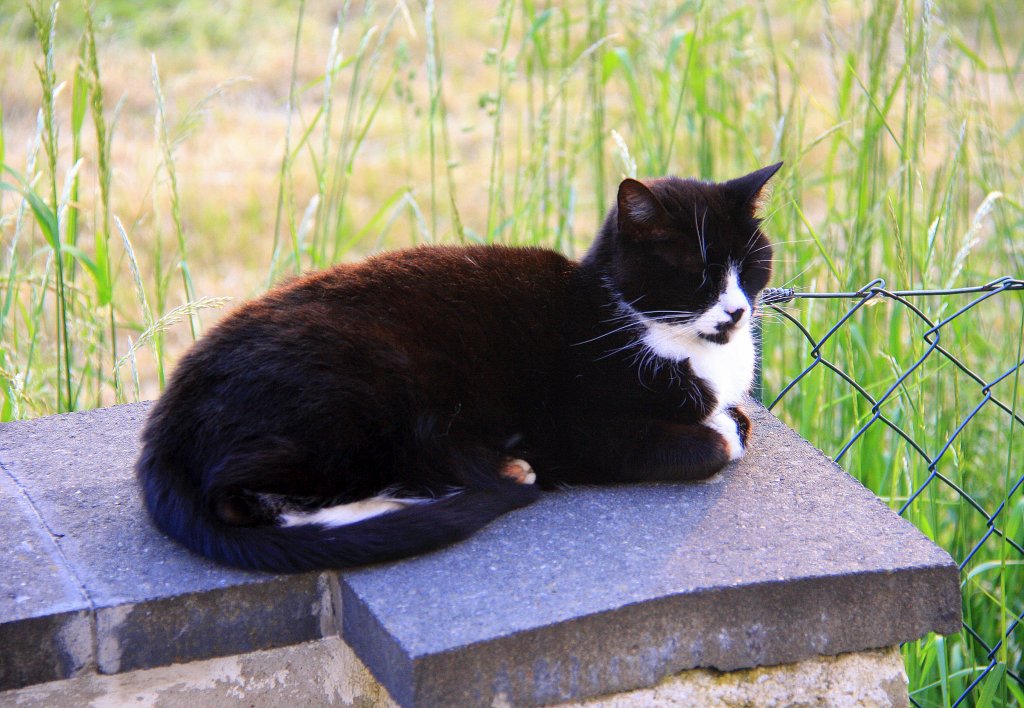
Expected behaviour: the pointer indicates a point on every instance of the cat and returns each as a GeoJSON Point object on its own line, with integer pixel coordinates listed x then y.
{"type": "Point", "coordinates": [382, 409]}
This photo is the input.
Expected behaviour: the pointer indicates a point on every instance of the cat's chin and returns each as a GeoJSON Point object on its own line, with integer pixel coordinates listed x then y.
{"type": "Point", "coordinates": [717, 337]}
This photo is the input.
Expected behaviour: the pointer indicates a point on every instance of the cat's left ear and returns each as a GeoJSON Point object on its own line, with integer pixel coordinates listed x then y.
{"type": "Point", "coordinates": [641, 215]}
{"type": "Point", "coordinates": [750, 189]}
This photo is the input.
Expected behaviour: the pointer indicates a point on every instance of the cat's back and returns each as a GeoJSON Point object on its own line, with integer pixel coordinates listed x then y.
{"type": "Point", "coordinates": [407, 284]}
{"type": "Point", "coordinates": [449, 273]}
{"type": "Point", "coordinates": [437, 309]}
{"type": "Point", "coordinates": [433, 291]}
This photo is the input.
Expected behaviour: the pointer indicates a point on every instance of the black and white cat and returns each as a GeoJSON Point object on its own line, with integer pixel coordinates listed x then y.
{"type": "Point", "coordinates": [382, 409]}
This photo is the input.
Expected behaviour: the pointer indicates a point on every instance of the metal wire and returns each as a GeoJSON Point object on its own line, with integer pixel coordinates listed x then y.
{"type": "Point", "coordinates": [876, 290]}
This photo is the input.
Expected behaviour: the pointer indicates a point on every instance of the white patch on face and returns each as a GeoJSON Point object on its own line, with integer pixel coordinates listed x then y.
{"type": "Point", "coordinates": [732, 299]}
{"type": "Point", "coordinates": [344, 514]}
{"type": "Point", "coordinates": [727, 368]}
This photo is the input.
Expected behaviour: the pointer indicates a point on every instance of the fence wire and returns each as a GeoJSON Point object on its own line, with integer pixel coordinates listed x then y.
{"type": "Point", "coordinates": [995, 520]}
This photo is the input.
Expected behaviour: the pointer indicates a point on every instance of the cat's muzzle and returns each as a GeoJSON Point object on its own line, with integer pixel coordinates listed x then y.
{"type": "Point", "coordinates": [724, 329]}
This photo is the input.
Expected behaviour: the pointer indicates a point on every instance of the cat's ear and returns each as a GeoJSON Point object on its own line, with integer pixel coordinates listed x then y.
{"type": "Point", "coordinates": [750, 190]}
{"type": "Point", "coordinates": [641, 215]}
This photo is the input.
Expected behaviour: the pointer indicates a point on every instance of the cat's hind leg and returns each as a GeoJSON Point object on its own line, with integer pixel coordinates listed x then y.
{"type": "Point", "coordinates": [518, 471]}
{"type": "Point", "coordinates": [482, 486]}
{"type": "Point", "coordinates": [436, 472]}
{"type": "Point", "coordinates": [232, 510]}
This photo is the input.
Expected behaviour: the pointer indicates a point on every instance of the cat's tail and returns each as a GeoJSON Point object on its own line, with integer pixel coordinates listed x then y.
{"type": "Point", "coordinates": [181, 511]}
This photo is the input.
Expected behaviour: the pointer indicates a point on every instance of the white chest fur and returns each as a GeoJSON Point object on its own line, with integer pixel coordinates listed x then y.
{"type": "Point", "coordinates": [727, 368]}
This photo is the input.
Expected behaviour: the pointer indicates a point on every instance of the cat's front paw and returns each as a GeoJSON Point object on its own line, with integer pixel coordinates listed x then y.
{"type": "Point", "coordinates": [743, 423]}
{"type": "Point", "coordinates": [518, 471]}
{"type": "Point", "coordinates": [730, 430]}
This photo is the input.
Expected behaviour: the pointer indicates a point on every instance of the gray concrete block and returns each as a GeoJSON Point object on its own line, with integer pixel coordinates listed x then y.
{"type": "Point", "coordinates": [591, 591]}
{"type": "Point", "coordinates": [45, 648]}
{"type": "Point", "coordinates": [221, 622]}
{"type": "Point", "coordinates": [152, 601]}
{"type": "Point", "coordinates": [78, 470]}
{"type": "Point", "coordinates": [45, 625]}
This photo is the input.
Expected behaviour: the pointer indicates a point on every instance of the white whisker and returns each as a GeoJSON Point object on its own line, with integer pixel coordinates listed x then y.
{"type": "Point", "coordinates": [787, 283]}
{"type": "Point", "coordinates": [622, 328]}
{"type": "Point", "coordinates": [750, 241]}
{"type": "Point", "coordinates": [779, 243]}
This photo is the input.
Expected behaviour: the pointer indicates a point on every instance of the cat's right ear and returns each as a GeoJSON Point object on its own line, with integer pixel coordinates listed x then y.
{"type": "Point", "coordinates": [751, 189]}
{"type": "Point", "coordinates": [641, 215]}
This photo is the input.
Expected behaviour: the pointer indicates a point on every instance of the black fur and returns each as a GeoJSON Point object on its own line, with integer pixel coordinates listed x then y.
{"type": "Point", "coordinates": [420, 371]}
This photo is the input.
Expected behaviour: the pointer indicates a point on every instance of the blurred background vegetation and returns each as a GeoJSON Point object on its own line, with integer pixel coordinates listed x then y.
{"type": "Point", "coordinates": [164, 158]}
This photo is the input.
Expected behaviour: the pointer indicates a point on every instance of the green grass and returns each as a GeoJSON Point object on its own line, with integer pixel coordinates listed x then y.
{"type": "Point", "coordinates": [184, 154]}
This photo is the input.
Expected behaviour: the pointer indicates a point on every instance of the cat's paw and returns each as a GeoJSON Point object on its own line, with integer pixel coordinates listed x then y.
{"type": "Point", "coordinates": [743, 423]}
{"type": "Point", "coordinates": [726, 426]}
{"type": "Point", "coordinates": [518, 471]}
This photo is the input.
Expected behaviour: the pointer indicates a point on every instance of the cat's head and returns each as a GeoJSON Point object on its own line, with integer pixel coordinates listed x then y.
{"type": "Point", "coordinates": [687, 252]}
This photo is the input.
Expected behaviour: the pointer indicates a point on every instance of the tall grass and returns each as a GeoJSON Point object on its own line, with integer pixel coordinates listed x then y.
{"type": "Point", "coordinates": [390, 123]}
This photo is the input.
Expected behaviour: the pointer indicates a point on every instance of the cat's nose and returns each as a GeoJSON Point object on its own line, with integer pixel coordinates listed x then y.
{"type": "Point", "coordinates": [736, 315]}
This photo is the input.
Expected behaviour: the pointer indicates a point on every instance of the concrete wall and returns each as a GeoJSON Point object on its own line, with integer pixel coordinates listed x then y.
{"type": "Point", "coordinates": [327, 672]}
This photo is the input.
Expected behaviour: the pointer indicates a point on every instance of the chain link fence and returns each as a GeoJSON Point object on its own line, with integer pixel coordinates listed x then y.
{"type": "Point", "coordinates": [907, 417]}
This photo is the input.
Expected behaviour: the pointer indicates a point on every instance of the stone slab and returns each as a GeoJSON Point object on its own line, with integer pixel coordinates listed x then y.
{"type": "Point", "coordinates": [780, 557]}
{"type": "Point", "coordinates": [151, 602]}
{"type": "Point", "coordinates": [45, 632]}
{"type": "Point", "coordinates": [588, 592]}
